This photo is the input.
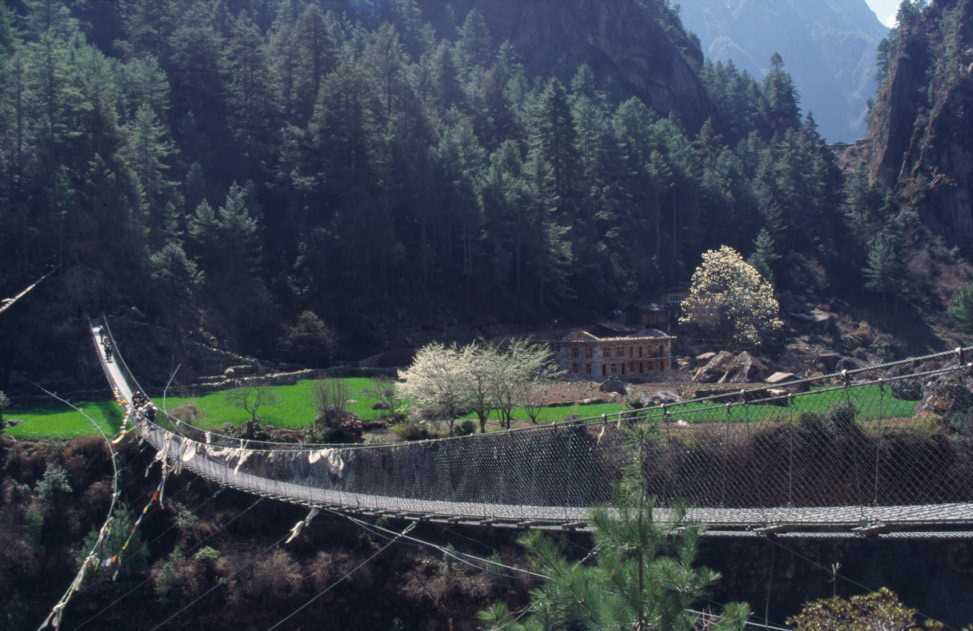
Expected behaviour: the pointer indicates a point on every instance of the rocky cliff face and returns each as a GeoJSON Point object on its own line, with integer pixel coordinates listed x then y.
{"type": "Point", "coordinates": [920, 139]}
{"type": "Point", "coordinates": [636, 45]}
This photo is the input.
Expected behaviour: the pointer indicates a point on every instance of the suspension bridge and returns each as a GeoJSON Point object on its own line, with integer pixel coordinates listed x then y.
{"type": "Point", "coordinates": [748, 464]}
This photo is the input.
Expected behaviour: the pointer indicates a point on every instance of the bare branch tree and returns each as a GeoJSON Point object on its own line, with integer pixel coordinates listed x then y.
{"type": "Point", "coordinates": [331, 397]}
{"type": "Point", "coordinates": [384, 391]}
{"type": "Point", "coordinates": [252, 399]}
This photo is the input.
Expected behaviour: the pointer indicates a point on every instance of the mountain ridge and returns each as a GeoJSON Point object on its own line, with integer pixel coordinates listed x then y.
{"type": "Point", "coordinates": [829, 47]}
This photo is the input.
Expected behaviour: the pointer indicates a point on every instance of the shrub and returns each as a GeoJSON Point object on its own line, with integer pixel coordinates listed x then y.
{"type": "Point", "coordinates": [961, 308]}
{"type": "Point", "coordinates": [873, 612]}
{"type": "Point", "coordinates": [466, 428]}
{"type": "Point", "coordinates": [309, 340]}
{"type": "Point", "coordinates": [4, 404]}
{"type": "Point", "coordinates": [188, 413]}
{"type": "Point", "coordinates": [412, 431]}
{"type": "Point", "coordinates": [331, 397]}
{"type": "Point", "coordinates": [178, 577]}
{"type": "Point", "coordinates": [52, 483]}
{"type": "Point", "coordinates": [275, 576]}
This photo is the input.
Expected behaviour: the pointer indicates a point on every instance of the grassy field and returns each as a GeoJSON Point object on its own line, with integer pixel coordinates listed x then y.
{"type": "Point", "coordinates": [295, 408]}
{"type": "Point", "coordinates": [60, 422]}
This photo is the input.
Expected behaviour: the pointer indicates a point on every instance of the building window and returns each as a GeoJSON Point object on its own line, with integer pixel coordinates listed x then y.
{"type": "Point", "coordinates": [623, 368]}
{"type": "Point", "coordinates": [587, 352]}
{"type": "Point", "coordinates": [576, 352]}
{"type": "Point", "coordinates": [641, 367]}
{"type": "Point", "coordinates": [614, 369]}
{"type": "Point", "coordinates": [574, 367]}
{"type": "Point", "coordinates": [640, 351]}
{"type": "Point", "coordinates": [588, 369]}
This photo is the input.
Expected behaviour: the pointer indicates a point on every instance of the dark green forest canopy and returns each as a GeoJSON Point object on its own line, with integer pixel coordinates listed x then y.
{"type": "Point", "coordinates": [239, 162]}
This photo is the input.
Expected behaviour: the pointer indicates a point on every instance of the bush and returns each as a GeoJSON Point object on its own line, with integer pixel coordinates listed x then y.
{"type": "Point", "coordinates": [961, 308]}
{"type": "Point", "coordinates": [411, 431]}
{"type": "Point", "coordinates": [275, 576]}
{"type": "Point", "coordinates": [309, 340]}
{"type": "Point", "coordinates": [873, 612]}
{"type": "Point", "coordinates": [466, 428]}
{"type": "Point", "coordinates": [4, 404]}
{"type": "Point", "coordinates": [53, 483]}
{"type": "Point", "coordinates": [961, 423]}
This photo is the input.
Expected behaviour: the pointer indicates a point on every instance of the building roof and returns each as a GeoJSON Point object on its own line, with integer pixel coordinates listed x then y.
{"type": "Point", "coordinates": [613, 332]}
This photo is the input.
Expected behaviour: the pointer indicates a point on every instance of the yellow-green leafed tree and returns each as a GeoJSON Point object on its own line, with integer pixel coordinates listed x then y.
{"type": "Point", "coordinates": [730, 300]}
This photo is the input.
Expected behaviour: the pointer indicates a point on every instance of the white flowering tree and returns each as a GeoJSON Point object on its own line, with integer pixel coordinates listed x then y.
{"type": "Point", "coordinates": [437, 384]}
{"type": "Point", "coordinates": [525, 367]}
{"type": "Point", "coordinates": [482, 362]}
{"type": "Point", "coordinates": [445, 382]}
{"type": "Point", "coordinates": [730, 299]}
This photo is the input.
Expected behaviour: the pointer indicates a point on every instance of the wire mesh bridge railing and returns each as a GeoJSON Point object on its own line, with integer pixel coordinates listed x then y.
{"type": "Point", "coordinates": [839, 455]}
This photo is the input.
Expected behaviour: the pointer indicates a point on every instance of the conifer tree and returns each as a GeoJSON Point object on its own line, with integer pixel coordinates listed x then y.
{"type": "Point", "coordinates": [643, 575]}
{"type": "Point", "coordinates": [764, 256]}
{"type": "Point", "coordinates": [884, 270]}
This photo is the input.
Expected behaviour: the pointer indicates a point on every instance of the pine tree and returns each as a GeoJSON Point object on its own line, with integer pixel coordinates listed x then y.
{"type": "Point", "coordinates": [783, 111]}
{"type": "Point", "coordinates": [764, 256]}
{"type": "Point", "coordinates": [148, 151]}
{"type": "Point", "coordinates": [316, 57]}
{"type": "Point", "coordinates": [644, 575]}
{"type": "Point", "coordinates": [250, 102]}
{"type": "Point", "coordinates": [475, 46]}
{"type": "Point", "coordinates": [884, 270]}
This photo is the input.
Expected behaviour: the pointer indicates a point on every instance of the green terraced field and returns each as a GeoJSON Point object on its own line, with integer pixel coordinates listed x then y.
{"type": "Point", "coordinates": [295, 408]}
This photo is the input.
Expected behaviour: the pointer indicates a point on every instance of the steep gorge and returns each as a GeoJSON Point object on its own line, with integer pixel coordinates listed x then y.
{"type": "Point", "coordinates": [920, 140]}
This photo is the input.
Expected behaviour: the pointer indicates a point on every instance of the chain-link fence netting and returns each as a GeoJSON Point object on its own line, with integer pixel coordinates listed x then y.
{"type": "Point", "coordinates": [864, 447]}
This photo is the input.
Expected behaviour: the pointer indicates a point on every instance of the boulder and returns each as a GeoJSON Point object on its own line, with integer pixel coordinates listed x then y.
{"type": "Point", "coordinates": [848, 363]}
{"type": "Point", "coordinates": [946, 396]}
{"type": "Point", "coordinates": [715, 369]}
{"type": "Point", "coordinates": [906, 389]}
{"type": "Point", "coordinates": [665, 398]}
{"type": "Point", "coordinates": [614, 385]}
{"type": "Point", "coordinates": [704, 358]}
{"type": "Point", "coordinates": [828, 361]}
{"type": "Point", "coordinates": [780, 377]}
{"type": "Point", "coordinates": [381, 405]}
{"type": "Point", "coordinates": [744, 368]}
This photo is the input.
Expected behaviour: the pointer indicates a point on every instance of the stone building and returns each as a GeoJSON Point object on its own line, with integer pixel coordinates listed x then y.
{"type": "Point", "coordinates": [613, 351]}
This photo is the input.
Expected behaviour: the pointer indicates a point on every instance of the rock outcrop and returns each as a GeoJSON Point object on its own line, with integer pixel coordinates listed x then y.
{"type": "Point", "coordinates": [725, 367]}
{"type": "Point", "coordinates": [920, 139]}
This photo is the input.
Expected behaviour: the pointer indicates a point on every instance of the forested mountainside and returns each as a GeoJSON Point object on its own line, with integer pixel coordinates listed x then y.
{"type": "Point", "coordinates": [829, 46]}
{"type": "Point", "coordinates": [921, 141]}
{"type": "Point", "coordinates": [225, 166]}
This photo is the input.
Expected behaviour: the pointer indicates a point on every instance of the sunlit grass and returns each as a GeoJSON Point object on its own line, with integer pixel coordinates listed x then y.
{"type": "Point", "coordinates": [295, 407]}
{"type": "Point", "coordinates": [60, 421]}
